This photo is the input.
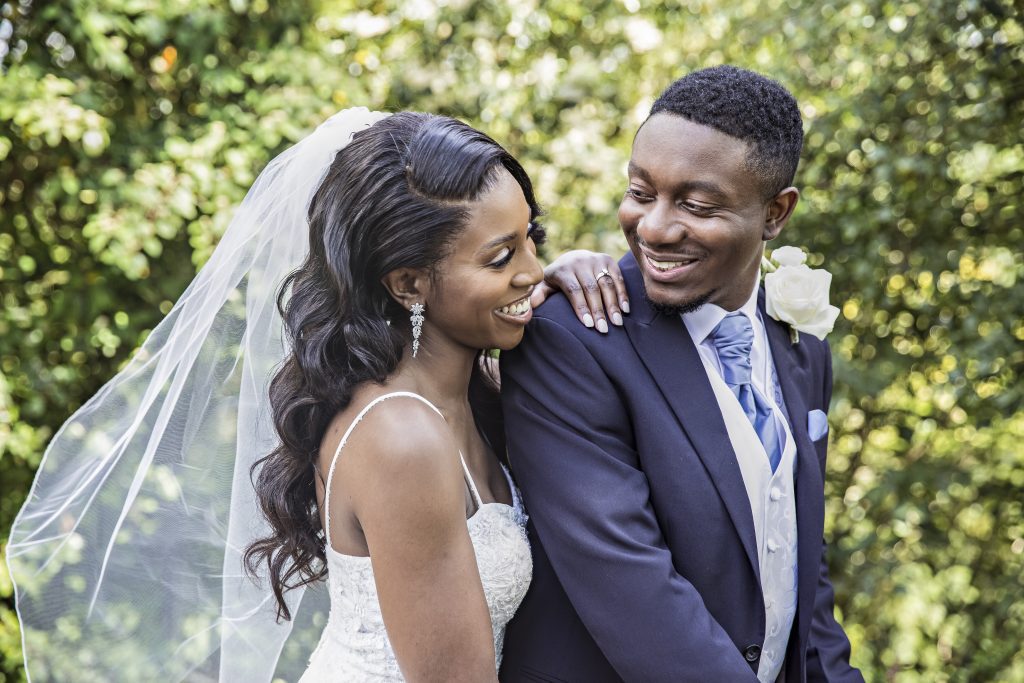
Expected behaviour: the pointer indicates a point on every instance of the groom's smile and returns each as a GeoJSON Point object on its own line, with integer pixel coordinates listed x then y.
{"type": "Point", "coordinates": [694, 214]}
{"type": "Point", "coordinates": [668, 268]}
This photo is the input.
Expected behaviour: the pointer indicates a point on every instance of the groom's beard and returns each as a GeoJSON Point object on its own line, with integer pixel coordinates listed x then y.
{"type": "Point", "coordinates": [679, 309]}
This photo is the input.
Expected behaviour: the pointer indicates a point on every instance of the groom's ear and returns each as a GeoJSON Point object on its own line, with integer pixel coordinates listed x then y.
{"type": "Point", "coordinates": [407, 286]}
{"type": "Point", "coordinates": [777, 212]}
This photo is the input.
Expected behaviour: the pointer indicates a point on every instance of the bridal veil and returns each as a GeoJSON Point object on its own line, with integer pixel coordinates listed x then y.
{"type": "Point", "coordinates": [127, 556]}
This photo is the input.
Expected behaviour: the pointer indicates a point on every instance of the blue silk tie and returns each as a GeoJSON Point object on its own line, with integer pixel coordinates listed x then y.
{"type": "Point", "coordinates": [734, 340]}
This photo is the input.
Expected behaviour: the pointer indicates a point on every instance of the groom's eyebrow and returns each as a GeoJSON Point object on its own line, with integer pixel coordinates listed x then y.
{"type": "Point", "coordinates": [687, 186]}
{"type": "Point", "coordinates": [632, 169]}
{"type": "Point", "coordinates": [707, 188]}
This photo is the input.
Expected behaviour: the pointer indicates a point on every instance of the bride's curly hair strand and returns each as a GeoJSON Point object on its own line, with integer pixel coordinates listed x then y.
{"type": "Point", "coordinates": [396, 196]}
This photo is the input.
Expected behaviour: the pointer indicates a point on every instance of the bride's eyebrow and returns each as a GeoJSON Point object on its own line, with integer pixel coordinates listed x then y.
{"type": "Point", "coordinates": [497, 241]}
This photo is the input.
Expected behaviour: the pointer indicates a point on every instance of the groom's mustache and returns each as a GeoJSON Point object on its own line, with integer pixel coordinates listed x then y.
{"type": "Point", "coordinates": [688, 254]}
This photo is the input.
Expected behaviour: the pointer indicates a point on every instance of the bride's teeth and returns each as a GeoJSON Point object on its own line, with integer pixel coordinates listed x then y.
{"type": "Point", "coordinates": [517, 308]}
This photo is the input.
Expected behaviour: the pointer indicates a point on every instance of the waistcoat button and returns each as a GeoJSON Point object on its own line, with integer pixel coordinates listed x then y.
{"type": "Point", "coordinates": [752, 653]}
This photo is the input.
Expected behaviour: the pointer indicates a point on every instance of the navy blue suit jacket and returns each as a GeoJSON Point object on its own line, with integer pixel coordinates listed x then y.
{"type": "Point", "coordinates": [645, 563]}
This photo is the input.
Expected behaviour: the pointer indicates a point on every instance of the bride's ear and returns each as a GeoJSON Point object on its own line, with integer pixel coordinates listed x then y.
{"type": "Point", "coordinates": [407, 286]}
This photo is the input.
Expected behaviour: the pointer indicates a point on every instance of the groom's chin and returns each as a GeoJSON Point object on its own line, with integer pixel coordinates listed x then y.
{"type": "Point", "coordinates": [680, 307]}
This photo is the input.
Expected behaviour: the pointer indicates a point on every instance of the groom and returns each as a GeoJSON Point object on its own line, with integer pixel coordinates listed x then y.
{"type": "Point", "coordinates": [673, 470]}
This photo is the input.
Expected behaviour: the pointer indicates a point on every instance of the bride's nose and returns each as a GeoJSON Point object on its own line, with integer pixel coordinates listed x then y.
{"type": "Point", "coordinates": [529, 272]}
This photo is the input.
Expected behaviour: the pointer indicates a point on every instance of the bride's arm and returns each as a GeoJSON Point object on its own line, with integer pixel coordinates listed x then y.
{"type": "Point", "coordinates": [596, 298]}
{"type": "Point", "coordinates": [408, 494]}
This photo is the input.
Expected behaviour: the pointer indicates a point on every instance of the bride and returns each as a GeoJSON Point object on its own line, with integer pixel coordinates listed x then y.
{"type": "Point", "coordinates": [424, 251]}
{"type": "Point", "coordinates": [180, 516]}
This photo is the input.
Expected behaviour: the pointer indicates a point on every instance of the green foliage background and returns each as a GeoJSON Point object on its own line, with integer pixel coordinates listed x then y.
{"type": "Point", "coordinates": [129, 128]}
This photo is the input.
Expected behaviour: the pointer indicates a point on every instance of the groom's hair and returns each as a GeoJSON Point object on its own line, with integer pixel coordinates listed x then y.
{"type": "Point", "coordinates": [748, 106]}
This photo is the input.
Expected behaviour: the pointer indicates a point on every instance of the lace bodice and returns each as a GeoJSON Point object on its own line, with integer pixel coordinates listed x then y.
{"type": "Point", "coordinates": [355, 646]}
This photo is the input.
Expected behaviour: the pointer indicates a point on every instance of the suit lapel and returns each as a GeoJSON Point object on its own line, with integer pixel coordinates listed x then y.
{"type": "Point", "coordinates": [792, 365]}
{"type": "Point", "coordinates": [665, 347]}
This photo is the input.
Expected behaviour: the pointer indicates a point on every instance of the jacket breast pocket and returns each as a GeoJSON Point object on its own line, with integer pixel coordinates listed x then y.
{"type": "Point", "coordinates": [817, 425]}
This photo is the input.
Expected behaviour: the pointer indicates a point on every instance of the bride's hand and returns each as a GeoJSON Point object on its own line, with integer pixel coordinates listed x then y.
{"type": "Point", "coordinates": [595, 297]}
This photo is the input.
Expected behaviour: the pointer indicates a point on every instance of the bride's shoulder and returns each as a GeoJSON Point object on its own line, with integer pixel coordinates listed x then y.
{"type": "Point", "coordinates": [380, 427]}
{"type": "Point", "coordinates": [399, 460]}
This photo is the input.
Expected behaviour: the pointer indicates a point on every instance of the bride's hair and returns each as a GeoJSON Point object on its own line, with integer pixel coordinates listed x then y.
{"type": "Point", "coordinates": [395, 197]}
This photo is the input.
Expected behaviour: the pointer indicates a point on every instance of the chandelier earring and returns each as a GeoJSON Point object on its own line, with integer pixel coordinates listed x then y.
{"type": "Point", "coordinates": [416, 319]}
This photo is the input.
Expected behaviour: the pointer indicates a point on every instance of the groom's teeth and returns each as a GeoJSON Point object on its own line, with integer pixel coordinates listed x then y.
{"type": "Point", "coordinates": [665, 265]}
{"type": "Point", "coordinates": [518, 308]}
{"type": "Point", "coordinates": [668, 265]}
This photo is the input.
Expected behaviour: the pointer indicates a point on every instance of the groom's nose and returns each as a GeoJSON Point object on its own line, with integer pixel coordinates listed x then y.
{"type": "Point", "coordinates": [660, 225]}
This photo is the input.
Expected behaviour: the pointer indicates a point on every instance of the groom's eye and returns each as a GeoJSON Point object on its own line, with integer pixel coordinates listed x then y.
{"type": "Point", "coordinates": [697, 208]}
{"type": "Point", "coordinates": [638, 195]}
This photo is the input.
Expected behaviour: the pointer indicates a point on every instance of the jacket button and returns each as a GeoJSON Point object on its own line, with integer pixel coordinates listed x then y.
{"type": "Point", "coordinates": [752, 653]}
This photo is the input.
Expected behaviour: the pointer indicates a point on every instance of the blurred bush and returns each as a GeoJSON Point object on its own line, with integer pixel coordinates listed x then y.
{"type": "Point", "coordinates": [129, 128]}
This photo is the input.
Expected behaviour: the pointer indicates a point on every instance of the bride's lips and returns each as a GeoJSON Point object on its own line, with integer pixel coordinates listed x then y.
{"type": "Point", "coordinates": [669, 268]}
{"type": "Point", "coordinates": [517, 312]}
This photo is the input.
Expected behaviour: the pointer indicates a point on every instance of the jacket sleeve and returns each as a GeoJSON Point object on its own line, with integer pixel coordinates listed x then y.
{"type": "Point", "coordinates": [828, 649]}
{"type": "Point", "coordinates": [571, 448]}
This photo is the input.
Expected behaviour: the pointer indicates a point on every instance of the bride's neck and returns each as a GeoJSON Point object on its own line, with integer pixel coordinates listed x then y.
{"type": "Point", "coordinates": [440, 375]}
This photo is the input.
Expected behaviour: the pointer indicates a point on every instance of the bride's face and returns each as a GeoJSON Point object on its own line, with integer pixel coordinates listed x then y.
{"type": "Point", "coordinates": [481, 292]}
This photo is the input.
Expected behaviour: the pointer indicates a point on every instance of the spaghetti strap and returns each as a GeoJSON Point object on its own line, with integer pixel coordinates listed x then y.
{"type": "Point", "coordinates": [477, 500]}
{"type": "Point", "coordinates": [344, 440]}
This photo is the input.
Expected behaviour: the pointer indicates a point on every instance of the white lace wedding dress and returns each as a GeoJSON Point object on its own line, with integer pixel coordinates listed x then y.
{"type": "Point", "coordinates": [354, 646]}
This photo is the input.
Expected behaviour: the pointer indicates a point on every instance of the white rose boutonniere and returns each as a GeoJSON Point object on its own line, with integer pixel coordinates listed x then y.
{"type": "Point", "coordinates": [797, 294]}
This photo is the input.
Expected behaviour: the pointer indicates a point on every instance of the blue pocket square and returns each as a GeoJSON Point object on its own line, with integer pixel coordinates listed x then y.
{"type": "Point", "coordinates": [817, 424]}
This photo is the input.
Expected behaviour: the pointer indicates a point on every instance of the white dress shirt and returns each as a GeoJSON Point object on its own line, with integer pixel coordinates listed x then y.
{"type": "Point", "coordinates": [771, 494]}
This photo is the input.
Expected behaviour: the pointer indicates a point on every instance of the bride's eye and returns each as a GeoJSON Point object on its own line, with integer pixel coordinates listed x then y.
{"type": "Point", "coordinates": [503, 258]}
{"type": "Point", "coordinates": [537, 233]}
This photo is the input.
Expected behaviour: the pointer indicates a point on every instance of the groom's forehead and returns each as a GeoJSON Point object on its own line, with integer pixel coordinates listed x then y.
{"type": "Point", "coordinates": [678, 131]}
{"type": "Point", "coordinates": [667, 143]}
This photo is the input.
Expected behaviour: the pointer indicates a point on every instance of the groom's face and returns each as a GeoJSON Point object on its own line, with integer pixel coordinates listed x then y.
{"type": "Point", "coordinates": [694, 215]}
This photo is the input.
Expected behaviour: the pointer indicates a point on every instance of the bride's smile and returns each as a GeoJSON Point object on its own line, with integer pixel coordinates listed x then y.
{"type": "Point", "coordinates": [480, 296]}
{"type": "Point", "coordinates": [518, 312]}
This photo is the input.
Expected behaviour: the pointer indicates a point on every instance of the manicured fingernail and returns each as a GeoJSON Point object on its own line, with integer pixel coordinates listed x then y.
{"type": "Point", "coordinates": [602, 326]}
{"type": "Point", "coordinates": [625, 306]}
{"type": "Point", "coordinates": [588, 320]}
{"type": "Point", "coordinates": [617, 318]}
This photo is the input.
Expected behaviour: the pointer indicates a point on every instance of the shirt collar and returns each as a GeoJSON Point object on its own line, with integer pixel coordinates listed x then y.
{"type": "Point", "coordinates": [704, 320]}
